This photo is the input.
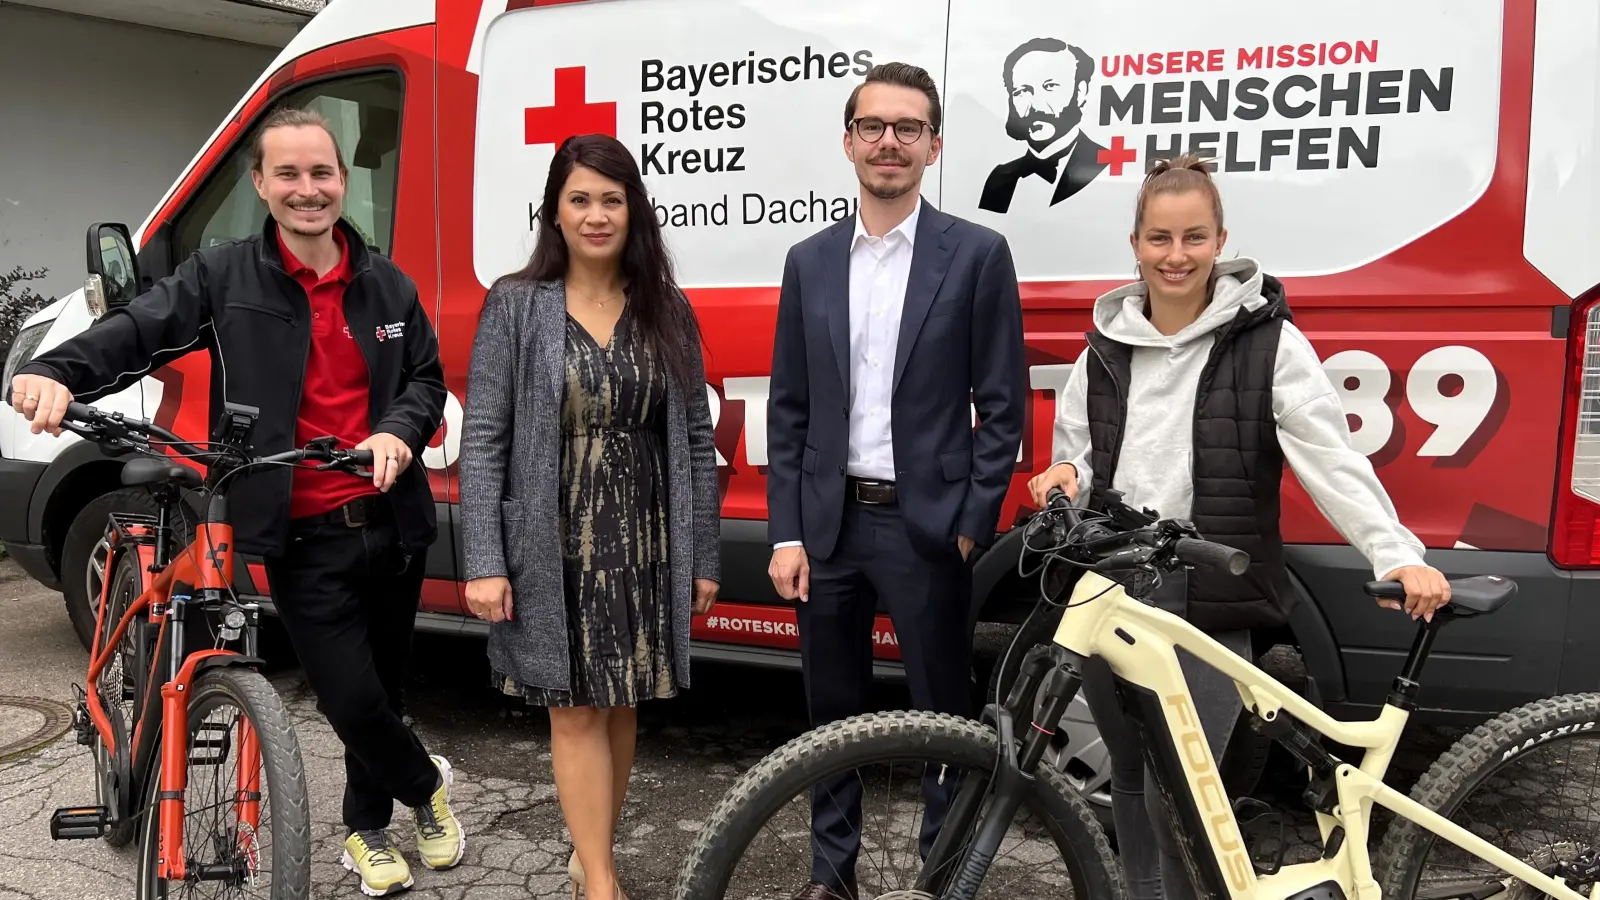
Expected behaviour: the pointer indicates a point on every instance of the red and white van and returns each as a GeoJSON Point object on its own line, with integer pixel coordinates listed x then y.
{"type": "Point", "coordinates": [1425, 177]}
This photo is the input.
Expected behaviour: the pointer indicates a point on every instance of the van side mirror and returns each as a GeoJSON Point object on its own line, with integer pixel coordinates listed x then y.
{"type": "Point", "coordinates": [111, 262]}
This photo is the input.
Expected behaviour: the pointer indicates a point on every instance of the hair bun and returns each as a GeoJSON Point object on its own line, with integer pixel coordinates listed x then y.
{"type": "Point", "coordinates": [1185, 172]}
{"type": "Point", "coordinates": [1192, 161]}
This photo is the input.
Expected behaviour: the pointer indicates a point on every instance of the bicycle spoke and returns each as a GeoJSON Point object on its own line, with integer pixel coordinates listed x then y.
{"type": "Point", "coordinates": [215, 839]}
{"type": "Point", "coordinates": [1526, 782]}
{"type": "Point", "coordinates": [890, 859]}
{"type": "Point", "coordinates": [1540, 809]}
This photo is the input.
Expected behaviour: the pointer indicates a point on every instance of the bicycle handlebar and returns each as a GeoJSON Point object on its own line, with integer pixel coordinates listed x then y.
{"type": "Point", "coordinates": [117, 431]}
{"type": "Point", "coordinates": [1165, 543]}
{"type": "Point", "coordinates": [114, 427]}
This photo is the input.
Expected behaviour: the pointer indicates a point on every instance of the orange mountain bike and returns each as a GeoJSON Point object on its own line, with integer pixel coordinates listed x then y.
{"type": "Point", "coordinates": [190, 740]}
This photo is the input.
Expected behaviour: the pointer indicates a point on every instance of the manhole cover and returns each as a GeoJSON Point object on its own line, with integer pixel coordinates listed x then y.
{"type": "Point", "coordinates": [28, 723]}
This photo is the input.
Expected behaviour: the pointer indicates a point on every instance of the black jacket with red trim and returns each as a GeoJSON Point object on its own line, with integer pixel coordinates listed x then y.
{"type": "Point", "coordinates": [236, 302]}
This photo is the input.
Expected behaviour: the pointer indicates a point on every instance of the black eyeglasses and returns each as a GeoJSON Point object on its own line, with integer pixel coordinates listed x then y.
{"type": "Point", "coordinates": [906, 131]}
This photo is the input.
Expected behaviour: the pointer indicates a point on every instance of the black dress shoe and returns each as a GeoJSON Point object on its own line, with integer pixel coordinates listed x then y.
{"type": "Point", "coordinates": [816, 891]}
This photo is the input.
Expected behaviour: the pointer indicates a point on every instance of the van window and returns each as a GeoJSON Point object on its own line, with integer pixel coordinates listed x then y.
{"type": "Point", "coordinates": [364, 112]}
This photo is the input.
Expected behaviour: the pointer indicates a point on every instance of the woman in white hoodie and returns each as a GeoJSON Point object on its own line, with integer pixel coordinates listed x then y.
{"type": "Point", "coordinates": [1194, 390]}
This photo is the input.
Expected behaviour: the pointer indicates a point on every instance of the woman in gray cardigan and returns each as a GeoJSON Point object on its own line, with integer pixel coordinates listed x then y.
{"type": "Point", "coordinates": [589, 503]}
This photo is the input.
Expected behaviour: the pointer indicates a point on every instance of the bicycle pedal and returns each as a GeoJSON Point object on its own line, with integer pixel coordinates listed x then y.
{"type": "Point", "coordinates": [1256, 820]}
{"type": "Point", "coordinates": [76, 823]}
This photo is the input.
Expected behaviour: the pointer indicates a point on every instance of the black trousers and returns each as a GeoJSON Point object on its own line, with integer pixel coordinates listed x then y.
{"type": "Point", "coordinates": [928, 601]}
{"type": "Point", "coordinates": [348, 598]}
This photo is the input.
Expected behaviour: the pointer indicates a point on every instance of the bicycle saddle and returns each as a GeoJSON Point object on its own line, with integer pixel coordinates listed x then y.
{"type": "Point", "coordinates": [1469, 597]}
{"type": "Point", "coordinates": [149, 470]}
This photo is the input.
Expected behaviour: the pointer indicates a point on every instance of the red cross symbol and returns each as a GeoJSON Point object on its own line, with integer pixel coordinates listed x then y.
{"type": "Point", "coordinates": [571, 114]}
{"type": "Point", "coordinates": [1118, 155]}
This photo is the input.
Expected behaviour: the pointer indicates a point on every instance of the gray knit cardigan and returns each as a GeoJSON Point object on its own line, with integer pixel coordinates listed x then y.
{"type": "Point", "coordinates": [510, 464]}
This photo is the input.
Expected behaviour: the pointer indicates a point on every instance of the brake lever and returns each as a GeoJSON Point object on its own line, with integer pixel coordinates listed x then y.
{"type": "Point", "coordinates": [1133, 557]}
{"type": "Point", "coordinates": [111, 443]}
{"type": "Point", "coordinates": [87, 432]}
{"type": "Point", "coordinates": [343, 466]}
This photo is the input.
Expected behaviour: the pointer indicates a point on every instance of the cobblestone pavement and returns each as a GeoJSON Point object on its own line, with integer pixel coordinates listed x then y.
{"type": "Point", "coordinates": [690, 750]}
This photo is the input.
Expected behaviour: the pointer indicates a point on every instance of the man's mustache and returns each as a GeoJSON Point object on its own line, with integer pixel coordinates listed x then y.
{"type": "Point", "coordinates": [1044, 118]}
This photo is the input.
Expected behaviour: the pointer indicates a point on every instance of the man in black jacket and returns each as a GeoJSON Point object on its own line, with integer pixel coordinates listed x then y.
{"type": "Point", "coordinates": [324, 338]}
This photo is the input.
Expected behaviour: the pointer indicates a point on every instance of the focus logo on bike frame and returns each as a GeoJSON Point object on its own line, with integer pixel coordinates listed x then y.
{"type": "Point", "coordinates": [1219, 821]}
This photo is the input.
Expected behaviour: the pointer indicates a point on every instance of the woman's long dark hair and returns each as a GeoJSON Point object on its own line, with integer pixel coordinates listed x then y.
{"type": "Point", "coordinates": [662, 312]}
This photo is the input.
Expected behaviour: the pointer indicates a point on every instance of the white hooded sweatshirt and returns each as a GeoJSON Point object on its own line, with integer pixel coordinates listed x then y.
{"type": "Point", "coordinates": [1155, 468]}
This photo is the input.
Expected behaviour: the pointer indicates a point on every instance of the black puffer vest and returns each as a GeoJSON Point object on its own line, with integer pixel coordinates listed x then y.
{"type": "Point", "coordinates": [1238, 465]}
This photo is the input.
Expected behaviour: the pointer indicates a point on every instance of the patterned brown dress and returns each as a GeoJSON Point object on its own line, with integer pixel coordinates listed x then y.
{"type": "Point", "coordinates": [613, 519]}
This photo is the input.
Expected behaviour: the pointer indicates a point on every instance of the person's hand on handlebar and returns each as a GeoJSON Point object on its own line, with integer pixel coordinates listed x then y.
{"type": "Point", "coordinates": [40, 400]}
{"type": "Point", "coordinates": [1060, 475]}
{"type": "Point", "coordinates": [390, 456]}
{"type": "Point", "coordinates": [1426, 590]}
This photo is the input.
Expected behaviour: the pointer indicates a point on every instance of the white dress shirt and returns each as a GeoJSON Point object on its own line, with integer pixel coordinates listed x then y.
{"type": "Point", "coordinates": [879, 269]}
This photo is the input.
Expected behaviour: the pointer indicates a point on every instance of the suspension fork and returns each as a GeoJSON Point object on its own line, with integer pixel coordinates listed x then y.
{"type": "Point", "coordinates": [176, 697]}
{"type": "Point", "coordinates": [247, 802]}
{"type": "Point", "coordinates": [948, 871]}
{"type": "Point", "coordinates": [174, 775]}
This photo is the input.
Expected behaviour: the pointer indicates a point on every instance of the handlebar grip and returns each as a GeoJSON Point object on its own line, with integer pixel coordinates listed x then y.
{"type": "Point", "coordinates": [361, 457]}
{"type": "Point", "coordinates": [1069, 518]}
{"type": "Point", "coordinates": [80, 412]}
{"type": "Point", "coordinates": [1217, 556]}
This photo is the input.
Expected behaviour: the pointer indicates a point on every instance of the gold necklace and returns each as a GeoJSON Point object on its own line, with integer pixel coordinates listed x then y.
{"type": "Point", "coordinates": [598, 303]}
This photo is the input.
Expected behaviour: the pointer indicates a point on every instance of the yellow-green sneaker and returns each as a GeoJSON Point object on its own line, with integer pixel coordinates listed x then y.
{"type": "Point", "coordinates": [382, 869]}
{"type": "Point", "coordinates": [440, 840]}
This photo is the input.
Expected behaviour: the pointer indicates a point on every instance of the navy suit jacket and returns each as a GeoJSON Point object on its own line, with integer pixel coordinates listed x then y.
{"type": "Point", "coordinates": [960, 344]}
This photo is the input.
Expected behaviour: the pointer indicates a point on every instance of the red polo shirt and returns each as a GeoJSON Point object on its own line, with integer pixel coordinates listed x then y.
{"type": "Point", "coordinates": [333, 400]}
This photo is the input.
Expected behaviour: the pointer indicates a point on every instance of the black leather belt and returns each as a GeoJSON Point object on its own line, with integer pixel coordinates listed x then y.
{"type": "Point", "coordinates": [873, 493]}
{"type": "Point", "coordinates": [355, 514]}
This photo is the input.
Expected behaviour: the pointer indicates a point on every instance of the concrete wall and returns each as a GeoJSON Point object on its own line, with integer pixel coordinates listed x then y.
{"type": "Point", "coordinates": [97, 118]}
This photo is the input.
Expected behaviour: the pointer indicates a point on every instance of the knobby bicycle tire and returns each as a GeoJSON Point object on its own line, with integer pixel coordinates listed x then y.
{"type": "Point", "coordinates": [1467, 764]}
{"type": "Point", "coordinates": [284, 773]}
{"type": "Point", "coordinates": [860, 741]}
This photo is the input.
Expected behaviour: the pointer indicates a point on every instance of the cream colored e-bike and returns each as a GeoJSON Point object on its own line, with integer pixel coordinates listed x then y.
{"type": "Point", "coordinates": [1125, 553]}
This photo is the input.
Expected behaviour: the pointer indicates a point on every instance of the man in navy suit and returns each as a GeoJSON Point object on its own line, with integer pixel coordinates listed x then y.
{"type": "Point", "coordinates": [892, 324]}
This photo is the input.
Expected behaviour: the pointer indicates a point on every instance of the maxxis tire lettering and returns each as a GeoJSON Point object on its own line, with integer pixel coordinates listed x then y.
{"type": "Point", "coordinates": [1471, 760]}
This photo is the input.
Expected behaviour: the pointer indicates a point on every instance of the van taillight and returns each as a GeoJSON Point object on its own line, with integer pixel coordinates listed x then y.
{"type": "Point", "coordinates": [1575, 537]}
